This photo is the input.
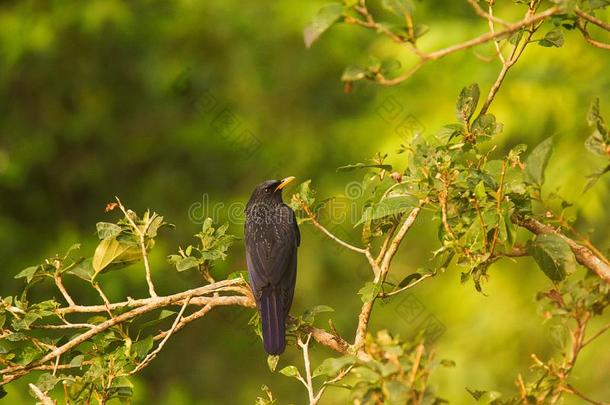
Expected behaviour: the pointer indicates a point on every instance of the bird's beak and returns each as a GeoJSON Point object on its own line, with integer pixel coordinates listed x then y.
{"type": "Point", "coordinates": [285, 182]}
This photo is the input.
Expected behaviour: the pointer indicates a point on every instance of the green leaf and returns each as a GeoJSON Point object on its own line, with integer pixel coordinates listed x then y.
{"type": "Point", "coordinates": [553, 255]}
{"type": "Point", "coordinates": [467, 102]}
{"type": "Point", "coordinates": [420, 30]}
{"type": "Point", "coordinates": [326, 17]}
{"type": "Point", "coordinates": [46, 382]}
{"type": "Point", "coordinates": [396, 392]}
{"type": "Point", "coordinates": [369, 291]}
{"type": "Point", "coordinates": [393, 205]}
{"type": "Point", "coordinates": [552, 38]}
{"type": "Point", "coordinates": [141, 348]}
{"type": "Point", "coordinates": [28, 273]}
{"type": "Point", "coordinates": [536, 162]}
{"type": "Point", "coordinates": [106, 230]}
{"type": "Point", "coordinates": [515, 37]}
{"type": "Point", "coordinates": [304, 194]}
{"type": "Point", "coordinates": [595, 119]}
{"type": "Point", "coordinates": [238, 274]}
{"type": "Point", "coordinates": [3, 393]}
{"type": "Point", "coordinates": [311, 313]}
{"type": "Point", "coordinates": [77, 361]}
{"type": "Point", "coordinates": [272, 362]}
{"type": "Point", "coordinates": [592, 178]}
{"type": "Point", "coordinates": [597, 145]}
{"type": "Point", "coordinates": [187, 263]}
{"type": "Point", "coordinates": [479, 191]}
{"type": "Point", "coordinates": [156, 224]}
{"type": "Point", "coordinates": [476, 394]}
{"type": "Point", "coordinates": [290, 371]}
{"type": "Point", "coordinates": [83, 269]}
{"type": "Point", "coordinates": [106, 252]}
{"type": "Point", "coordinates": [353, 73]}
{"type": "Point", "coordinates": [485, 125]}
{"type": "Point", "coordinates": [355, 166]}
{"type": "Point", "coordinates": [398, 7]}
{"type": "Point", "coordinates": [163, 315]}
{"type": "Point", "coordinates": [332, 365]}
{"type": "Point", "coordinates": [366, 374]}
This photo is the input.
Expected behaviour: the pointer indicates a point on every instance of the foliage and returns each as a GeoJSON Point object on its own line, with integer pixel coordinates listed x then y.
{"type": "Point", "coordinates": [477, 194]}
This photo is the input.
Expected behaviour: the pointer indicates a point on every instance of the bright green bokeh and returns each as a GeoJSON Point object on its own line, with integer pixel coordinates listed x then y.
{"type": "Point", "coordinates": [106, 98]}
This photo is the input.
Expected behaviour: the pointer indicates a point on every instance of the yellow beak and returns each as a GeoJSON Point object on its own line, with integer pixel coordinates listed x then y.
{"type": "Point", "coordinates": [285, 182]}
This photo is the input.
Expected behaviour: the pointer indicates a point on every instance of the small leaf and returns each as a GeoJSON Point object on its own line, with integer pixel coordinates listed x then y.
{"type": "Point", "coordinates": [476, 394]}
{"type": "Point", "coordinates": [311, 313]}
{"type": "Point", "coordinates": [397, 392]}
{"type": "Point", "coordinates": [596, 144]}
{"type": "Point", "coordinates": [83, 269]}
{"type": "Point", "coordinates": [592, 178]}
{"type": "Point", "coordinates": [553, 256]}
{"type": "Point", "coordinates": [107, 230]}
{"type": "Point", "coordinates": [398, 7]}
{"type": "Point", "coordinates": [479, 191]}
{"type": "Point", "coordinates": [369, 291]}
{"type": "Point", "coordinates": [393, 205]}
{"type": "Point", "coordinates": [46, 382]}
{"type": "Point", "coordinates": [486, 125]}
{"type": "Point", "coordinates": [595, 119]}
{"type": "Point", "coordinates": [552, 38]}
{"type": "Point", "coordinates": [141, 348]}
{"type": "Point", "coordinates": [187, 263]}
{"type": "Point", "coordinates": [353, 73]}
{"type": "Point", "coordinates": [290, 371]}
{"type": "Point", "coordinates": [355, 166]}
{"type": "Point", "coordinates": [409, 279]}
{"type": "Point", "coordinates": [467, 102]}
{"type": "Point", "coordinates": [77, 361]}
{"type": "Point", "coordinates": [536, 162]}
{"type": "Point", "coordinates": [332, 365]}
{"type": "Point", "coordinates": [272, 362]}
{"type": "Point", "coordinates": [28, 273]}
{"type": "Point", "coordinates": [366, 374]}
{"type": "Point", "coordinates": [326, 17]}
{"type": "Point", "coordinates": [106, 252]}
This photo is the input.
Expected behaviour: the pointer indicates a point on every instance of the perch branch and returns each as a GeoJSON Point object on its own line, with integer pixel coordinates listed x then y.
{"type": "Point", "coordinates": [583, 255]}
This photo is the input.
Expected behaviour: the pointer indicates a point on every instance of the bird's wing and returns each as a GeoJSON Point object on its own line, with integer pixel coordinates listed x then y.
{"type": "Point", "coordinates": [275, 263]}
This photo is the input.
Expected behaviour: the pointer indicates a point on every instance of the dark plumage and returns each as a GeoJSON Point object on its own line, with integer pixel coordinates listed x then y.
{"type": "Point", "coordinates": [272, 236]}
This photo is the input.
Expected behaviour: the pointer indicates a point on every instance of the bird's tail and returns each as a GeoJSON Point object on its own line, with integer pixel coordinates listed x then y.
{"type": "Point", "coordinates": [273, 321]}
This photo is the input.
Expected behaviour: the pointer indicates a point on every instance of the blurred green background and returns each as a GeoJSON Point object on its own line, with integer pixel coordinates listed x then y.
{"type": "Point", "coordinates": [105, 98]}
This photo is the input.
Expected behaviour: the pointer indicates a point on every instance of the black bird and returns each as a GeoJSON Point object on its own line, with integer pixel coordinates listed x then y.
{"type": "Point", "coordinates": [272, 237]}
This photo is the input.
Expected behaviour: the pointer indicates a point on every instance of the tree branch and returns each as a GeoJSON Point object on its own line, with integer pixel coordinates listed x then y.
{"type": "Point", "coordinates": [583, 255]}
{"type": "Point", "coordinates": [367, 307]}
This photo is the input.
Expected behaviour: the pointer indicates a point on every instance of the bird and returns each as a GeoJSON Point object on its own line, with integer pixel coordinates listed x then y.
{"type": "Point", "coordinates": [271, 236]}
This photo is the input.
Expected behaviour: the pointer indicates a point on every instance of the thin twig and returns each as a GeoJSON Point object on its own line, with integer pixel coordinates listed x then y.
{"type": "Point", "coordinates": [60, 286]}
{"type": "Point", "coordinates": [142, 242]}
{"type": "Point", "coordinates": [408, 286]}
{"type": "Point", "coordinates": [150, 356]}
{"type": "Point", "coordinates": [582, 27]}
{"type": "Point", "coordinates": [42, 397]}
{"type": "Point", "coordinates": [594, 20]}
{"type": "Point", "coordinates": [308, 379]}
{"type": "Point", "coordinates": [579, 394]}
{"type": "Point", "coordinates": [488, 16]}
{"type": "Point", "coordinates": [597, 334]}
{"type": "Point", "coordinates": [312, 218]}
{"type": "Point", "coordinates": [65, 326]}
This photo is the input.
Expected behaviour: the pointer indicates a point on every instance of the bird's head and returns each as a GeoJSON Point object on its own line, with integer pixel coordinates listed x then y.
{"type": "Point", "coordinates": [270, 191]}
